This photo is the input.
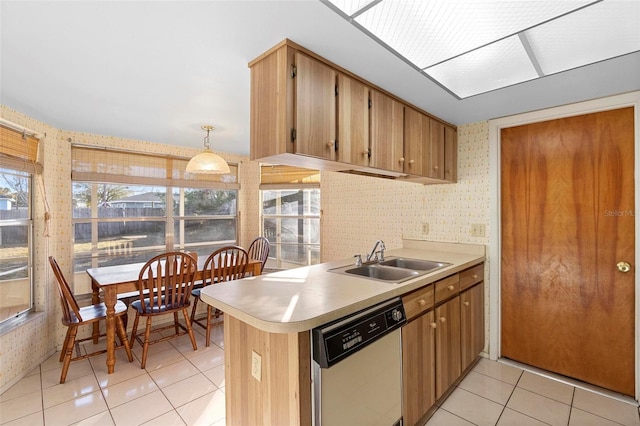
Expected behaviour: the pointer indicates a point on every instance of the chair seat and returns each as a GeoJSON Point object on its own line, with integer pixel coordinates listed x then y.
{"type": "Point", "coordinates": [157, 308]}
{"type": "Point", "coordinates": [196, 292]}
{"type": "Point", "coordinates": [97, 312]}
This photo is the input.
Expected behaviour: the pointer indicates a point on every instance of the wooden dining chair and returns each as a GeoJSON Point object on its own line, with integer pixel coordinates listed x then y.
{"type": "Point", "coordinates": [73, 316]}
{"type": "Point", "coordinates": [164, 284]}
{"type": "Point", "coordinates": [259, 250]}
{"type": "Point", "coordinates": [225, 264]}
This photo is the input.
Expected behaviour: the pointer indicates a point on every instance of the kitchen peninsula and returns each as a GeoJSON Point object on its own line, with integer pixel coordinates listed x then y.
{"type": "Point", "coordinates": [268, 319]}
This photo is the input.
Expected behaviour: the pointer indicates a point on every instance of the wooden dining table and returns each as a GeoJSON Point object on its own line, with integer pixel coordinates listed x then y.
{"type": "Point", "coordinates": [118, 279]}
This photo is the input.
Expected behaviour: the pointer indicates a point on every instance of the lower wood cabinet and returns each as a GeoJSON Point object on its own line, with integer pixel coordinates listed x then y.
{"type": "Point", "coordinates": [418, 368]}
{"type": "Point", "coordinates": [447, 318]}
{"type": "Point", "coordinates": [439, 344]}
{"type": "Point", "coordinates": [471, 324]}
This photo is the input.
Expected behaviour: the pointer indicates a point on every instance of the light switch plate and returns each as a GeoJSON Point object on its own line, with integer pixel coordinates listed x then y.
{"type": "Point", "coordinates": [425, 228]}
{"type": "Point", "coordinates": [256, 365]}
{"type": "Point", "coordinates": [477, 230]}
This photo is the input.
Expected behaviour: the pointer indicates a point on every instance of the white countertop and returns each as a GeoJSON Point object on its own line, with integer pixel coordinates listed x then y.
{"type": "Point", "coordinates": [300, 299]}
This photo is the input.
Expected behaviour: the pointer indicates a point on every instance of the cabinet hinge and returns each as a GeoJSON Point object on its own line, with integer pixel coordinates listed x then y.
{"type": "Point", "coordinates": [369, 151]}
{"type": "Point", "coordinates": [336, 90]}
{"type": "Point", "coordinates": [294, 71]}
{"type": "Point", "coordinates": [293, 135]}
{"type": "Point", "coordinates": [335, 146]}
{"type": "Point", "coordinates": [369, 103]}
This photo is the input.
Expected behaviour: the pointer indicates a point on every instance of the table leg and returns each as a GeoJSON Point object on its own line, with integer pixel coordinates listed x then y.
{"type": "Point", "coordinates": [256, 269]}
{"type": "Point", "coordinates": [110, 299]}
{"type": "Point", "coordinates": [95, 299]}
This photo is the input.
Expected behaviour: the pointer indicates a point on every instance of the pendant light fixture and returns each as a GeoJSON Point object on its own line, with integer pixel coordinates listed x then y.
{"type": "Point", "coordinates": [207, 161]}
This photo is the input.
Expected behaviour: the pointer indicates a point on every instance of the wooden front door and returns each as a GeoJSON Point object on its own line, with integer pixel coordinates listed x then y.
{"type": "Point", "coordinates": [567, 220]}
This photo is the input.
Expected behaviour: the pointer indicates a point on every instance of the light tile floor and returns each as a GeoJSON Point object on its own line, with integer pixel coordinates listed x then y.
{"type": "Point", "coordinates": [495, 393]}
{"type": "Point", "coordinates": [185, 387]}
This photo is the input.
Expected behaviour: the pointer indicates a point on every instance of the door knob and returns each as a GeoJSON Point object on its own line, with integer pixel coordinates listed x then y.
{"type": "Point", "coordinates": [623, 266]}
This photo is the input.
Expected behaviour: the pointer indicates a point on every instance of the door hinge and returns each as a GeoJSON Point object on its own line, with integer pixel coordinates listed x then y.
{"type": "Point", "coordinates": [293, 135]}
{"type": "Point", "coordinates": [369, 103]}
{"type": "Point", "coordinates": [294, 71]}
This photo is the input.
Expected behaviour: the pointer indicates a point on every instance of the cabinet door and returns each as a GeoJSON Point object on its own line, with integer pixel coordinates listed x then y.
{"type": "Point", "coordinates": [436, 150]}
{"type": "Point", "coordinates": [416, 142]}
{"type": "Point", "coordinates": [471, 324]}
{"type": "Point", "coordinates": [387, 128]}
{"type": "Point", "coordinates": [450, 154]}
{"type": "Point", "coordinates": [447, 345]}
{"type": "Point", "coordinates": [353, 121]}
{"type": "Point", "coordinates": [418, 368]}
{"type": "Point", "coordinates": [315, 108]}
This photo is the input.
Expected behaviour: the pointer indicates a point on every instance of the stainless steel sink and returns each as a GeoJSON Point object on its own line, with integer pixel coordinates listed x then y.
{"type": "Point", "coordinates": [393, 271]}
{"type": "Point", "coordinates": [384, 273]}
{"type": "Point", "coordinates": [415, 264]}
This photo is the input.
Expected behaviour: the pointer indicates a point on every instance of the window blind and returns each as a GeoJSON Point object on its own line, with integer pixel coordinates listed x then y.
{"type": "Point", "coordinates": [18, 150]}
{"type": "Point", "coordinates": [90, 164]}
{"type": "Point", "coordinates": [276, 176]}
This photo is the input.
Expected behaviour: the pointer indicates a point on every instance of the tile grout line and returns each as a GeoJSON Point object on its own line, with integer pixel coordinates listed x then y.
{"type": "Point", "coordinates": [573, 396]}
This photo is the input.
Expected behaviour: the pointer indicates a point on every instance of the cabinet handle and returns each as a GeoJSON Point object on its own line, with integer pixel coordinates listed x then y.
{"type": "Point", "coordinates": [422, 302]}
{"type": "Point", "coordinates": [475, 276]}
{"type": "Point", "coordinates": [365, 152]}
{"type": "Point", "coordinates": [411, 161]}
{"type": "Point", "coordinates": [443, 319]}
{"type": "Point", "coordinates": [401, 160]}
{"type": "Point", "coordinates": [330, 143]}
{"type": "Point", "coordinates": [435, 167]}
{"type": "Point", "coordinates": [465, 303]}
{"type": "Point", "coordinates": [433, 325]}
{"type": "Point", "coordinates": [450, 287]}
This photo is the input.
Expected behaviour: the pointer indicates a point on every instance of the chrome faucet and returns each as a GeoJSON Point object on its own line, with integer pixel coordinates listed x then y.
{"type": "Point", "coordinates": [374, 255]}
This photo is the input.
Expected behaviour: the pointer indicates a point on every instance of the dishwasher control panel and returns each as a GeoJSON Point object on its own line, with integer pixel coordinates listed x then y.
{"type": "Point", "coordinates": [338, 339]}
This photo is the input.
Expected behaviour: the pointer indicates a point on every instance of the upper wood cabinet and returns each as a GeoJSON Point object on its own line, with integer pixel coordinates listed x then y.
{"type": "Point", "coordinates": [272, 102]}
{"type": "Point", "coordinates": [315, 111]}
{"type": "Point", "coordinates": [353, 121]}
{"type": "Point", "coordinates": [308, 112]}
{"type": "Point", "coordinates": [416, 142]}
{"type": "Point", "coordinates": [387, 130]}
{"type": "Point", "coordinates": [450, 154]}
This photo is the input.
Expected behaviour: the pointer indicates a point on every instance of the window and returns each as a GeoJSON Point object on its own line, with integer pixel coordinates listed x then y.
{"type": "Point", "coordinates": [17, 166]}
{"type": "Point", "coordinates": [118, 223]}
{"type": "Point", "coordinates": [290, 215]}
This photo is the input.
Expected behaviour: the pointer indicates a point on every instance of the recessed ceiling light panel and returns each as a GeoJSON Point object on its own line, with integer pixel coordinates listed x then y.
{"type": "Point", "coordinates": [474, 46]}
{"type": "Point", "coordinates": [429, 32]}
{"type": "Point", "coordinates": [603, 31]}
{"type": "Point", "coordinates": [350, 7]}
{"type": "Point", "coordinates": [497, 65]}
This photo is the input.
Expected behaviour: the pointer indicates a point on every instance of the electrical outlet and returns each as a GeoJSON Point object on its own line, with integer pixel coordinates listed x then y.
{"type": "Point", "coordinates": [477, 230]}
{"type": "Point", "coordinates": [425, 228]}
{"type": "Point", "coordinates": [256, 366]}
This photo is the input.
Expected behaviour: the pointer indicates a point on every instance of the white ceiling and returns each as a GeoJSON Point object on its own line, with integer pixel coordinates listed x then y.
{"type": "Point", "coordinates": [158, 70]}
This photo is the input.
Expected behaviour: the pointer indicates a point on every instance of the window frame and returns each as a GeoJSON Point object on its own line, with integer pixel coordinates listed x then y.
{"type": "Point", "coordinates": [9, 322]}
{"type": "Point", "coordinates": [96, 165]}
{"type": "Point", "coordinates": [275, 254]}
{"type": "Point", "coordinates": [169, 219]}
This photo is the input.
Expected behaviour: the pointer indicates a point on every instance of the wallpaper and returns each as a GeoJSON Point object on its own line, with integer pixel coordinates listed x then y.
{"type": "Point", "coordinates": [358, 210]}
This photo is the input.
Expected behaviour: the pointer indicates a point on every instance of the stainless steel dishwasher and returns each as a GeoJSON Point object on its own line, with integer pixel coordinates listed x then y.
{"type": "Point", "coordinates": [357, 368]}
